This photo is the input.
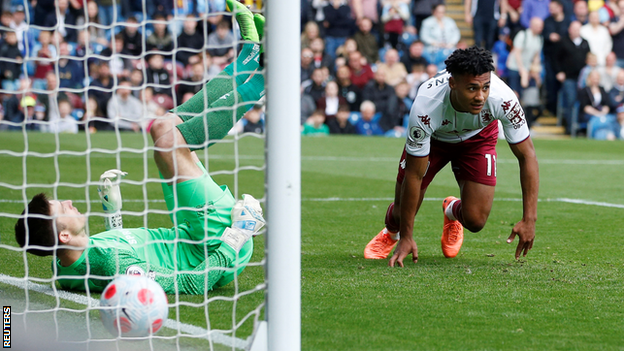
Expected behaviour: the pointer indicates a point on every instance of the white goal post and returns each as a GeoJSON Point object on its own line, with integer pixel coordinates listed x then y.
{"type": "Point", "coordinates": [283, 145]}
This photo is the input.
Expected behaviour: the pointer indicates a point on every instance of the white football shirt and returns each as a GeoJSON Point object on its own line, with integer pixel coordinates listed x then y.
{"type": "Point", "coordinates": [433, 116]}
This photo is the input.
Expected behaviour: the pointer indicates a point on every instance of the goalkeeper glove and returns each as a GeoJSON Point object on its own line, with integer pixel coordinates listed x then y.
{"type": "Point", "coordinates": [110, 194]}
{"type": "Point", "coordinates": [235, 238]}
{"type": "Point", "coordinates": [247, 214]}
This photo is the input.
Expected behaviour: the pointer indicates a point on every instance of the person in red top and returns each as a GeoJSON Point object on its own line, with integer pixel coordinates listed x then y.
{"type": "Point", "coordinates": [454, 119]}
{"type": "Point", "coordinates": [360, 73]}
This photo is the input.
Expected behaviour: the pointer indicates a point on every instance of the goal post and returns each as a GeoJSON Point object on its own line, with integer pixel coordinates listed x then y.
{"type": "Point", "coordinates": [283, 157]}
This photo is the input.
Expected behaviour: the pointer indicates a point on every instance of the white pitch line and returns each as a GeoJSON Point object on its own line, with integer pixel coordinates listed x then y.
{"type": "Point", "coordinates": [364, 199]}
{"type": "Point", "coordinates": [216, 337]}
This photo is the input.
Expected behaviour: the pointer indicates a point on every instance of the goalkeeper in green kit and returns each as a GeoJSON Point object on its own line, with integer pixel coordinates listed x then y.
{"type": "Point", "coordinates": [210, 242]}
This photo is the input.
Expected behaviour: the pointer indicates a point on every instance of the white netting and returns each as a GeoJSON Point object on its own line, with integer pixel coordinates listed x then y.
{"type": "Point", "coordinates": [63, 88]}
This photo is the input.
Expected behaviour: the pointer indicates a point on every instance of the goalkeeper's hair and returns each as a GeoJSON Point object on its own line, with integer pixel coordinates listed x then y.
{"type": "Point", "coordinates": [473, 61]}
{"type": "Point", "coordinates": [41, 231]}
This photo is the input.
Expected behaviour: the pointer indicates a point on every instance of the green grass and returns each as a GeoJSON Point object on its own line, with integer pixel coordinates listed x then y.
{"type": "Point", "coordinates": [566, 295]}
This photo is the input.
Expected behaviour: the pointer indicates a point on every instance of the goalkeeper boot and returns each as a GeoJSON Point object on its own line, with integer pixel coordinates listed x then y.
{"type": "Point", "coordinates": [381, 245]}
{"type": "Point", "coordinates": [452, 232]}
{"type": "Point", "coordinates": [245, 19]}
{"type": "Point", "coordinates": [259, 22]}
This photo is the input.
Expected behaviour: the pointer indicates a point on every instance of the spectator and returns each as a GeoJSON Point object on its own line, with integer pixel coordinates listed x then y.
{"type": "Point", "coordinates": [120, 64]}
{"type": "Point", "coordinates": [526, 51]}
{"type": "Point", "coordinates": [414, 56]}
{"type": "Point", "coordinates": [581, 12]}
{"type": "Point", "coordinates": [616, 28]}
{"type": "Point", "coordinates": [308, 106]}
{"type": "Point", "coordinates": [109, 11]}
{"type": "Point", "coordinates": [384, 98]}
{"type": "Point", "coordinates": [310, 33]}
{"type": "Point", "coordinates": [65, 19]}
{"type": "Point", "coordinates": [11, 63]}
{"type": "Point", "coordinates": [416, 77]}
{"type": "Point", "coordinates": [500, 53]}
{"type": "Point", "coordinates": [366, 41]}
{"type": "Point", "coordinates": [28, 116]}
{"type": "Point", "coordinates": [101, 87]}
{"type": "Point", "coordinates": [440, 35]}
{"type": "Point", "coordinates": [555, 27]}
{"type": "Point", "coordinates": [404, 105]}
{"type": "Point", "coordinates": [151, 108]}
{"type": "Point", "coordinates": [591, 63]}
{"type": "Point", "coordinates": [160, 39]}
{"type": "Point", "coordinates": [569, 61]}
{"type": "Point", "coordinates": [190, 41]}
{"type": "Point", "coordinates": [341, 124]}
{"type": "Point", "coordinates": [343, 52]}
{"type": "Point", "coordinates": [364, 9]}
{"type": "Point", "coordinates": [253, 121]}
{"type": "Point", "coordinates": [338, 25]}
{"type": "Point", "coordinates": [421, 9]}
{"type": "Point", "coordinates": [21, 28]}
{"type": "Point", "coordinates": [132, 37]}
{"type": "Point", "coordinates": [331, 101]}
{"type": "Point", "coordinates": [6, 20]}
{"type": "Point", "coordinates": [533, 8]}
{"type": "Point", "coordinates": [316, 86]}
{"type": "Point", "coordinates": [598, 37]}
{"type": "Point", "coordinates": [97, 34]}
{"type": "Point", "coordinates": [595, 105]}
{"type": "Point", "coordinates": [617, 92]}
{"type": "Point", "coordinates": [510, 16]}
{"type": "Point", "coordinates": [12, 104]}
{"type": "Point", "coordinates": [196, 82]}
{"type": "Point", "coordinates": [94, 119]}
{"type": "Point", "coordinates": [609, 73]}
{"type": "Point", "coordinates": [157, 76]}
{"type": "Point", "coordinates": [347, 89]}
{"type": "Point", "coordinates": [367, 124]}
{"type": "Point", "coordinates": [3, 126]}
{"type": "Point", "coordinates": [321, 58]}
{"type": "Point", "coordinates": [63, 122]}
{"type": "Point", "coordinates": [360, 74]}
{"type": "Point", "coordinates": [483, 15]}
{"type": "Point", "coordinates": [124, 110]}
{"type": "Point", "coordinates": [314, 126]}
{"type": "Point", "coordinates": [45, 55]}
{"type": "Point", "coordinates": [307, 57]}
{"type": "Point", "coordinates": [136, 80]}
{"type": "Point", "coordinates": [70, 71]}
{"type": "Point", "coordinates": [395, 70]}
{"type": "Point", "coordinates": [220, 43]}
{"type": "Point", "coordinates": [393, 16]}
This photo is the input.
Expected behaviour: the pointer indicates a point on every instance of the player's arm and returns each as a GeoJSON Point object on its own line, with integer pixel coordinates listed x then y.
{"type": "Point", "coordinates": [110, 194]}
{"type": "Point", "coordinates": [415, 169]}
{"type": "Point", "coordinates": [529, 181]}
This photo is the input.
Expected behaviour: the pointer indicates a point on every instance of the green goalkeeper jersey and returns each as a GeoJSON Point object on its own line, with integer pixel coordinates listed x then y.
{"type": "Point", "coordinates": [151, 252]}
{"type": "Point", "coordinates": [187, 258]}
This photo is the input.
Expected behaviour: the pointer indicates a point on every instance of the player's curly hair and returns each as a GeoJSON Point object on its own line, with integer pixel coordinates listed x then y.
{"type": "Point", "coordinates": [473, 60]}
{"type": "Point", "coordinates": [41, 231]}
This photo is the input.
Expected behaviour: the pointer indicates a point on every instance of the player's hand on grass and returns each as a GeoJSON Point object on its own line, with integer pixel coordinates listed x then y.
{"type": "Point", "coordinates": [525, 230]}
{"type": "Point", "coordinates": [403, 249]}
{"type": "Point", "coordinates": [109, 192]}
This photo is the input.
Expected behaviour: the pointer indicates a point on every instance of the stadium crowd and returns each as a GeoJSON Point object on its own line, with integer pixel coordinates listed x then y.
{"type": "Point", "coordinates": [105, 64]}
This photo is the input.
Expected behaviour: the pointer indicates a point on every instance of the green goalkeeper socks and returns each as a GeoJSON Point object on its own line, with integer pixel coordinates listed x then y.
{"type": "Point", "coordinates": [215, 122]}
{"type": "Point", "coordinates": [222, 84]}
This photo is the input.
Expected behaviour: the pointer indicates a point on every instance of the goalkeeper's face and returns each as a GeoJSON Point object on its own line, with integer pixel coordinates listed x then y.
{"type": "Point", "coordinates": [68, 217]}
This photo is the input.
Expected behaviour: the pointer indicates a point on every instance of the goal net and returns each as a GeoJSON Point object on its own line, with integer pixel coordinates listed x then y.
{"type": "Point", "coordinates": [68, 72]}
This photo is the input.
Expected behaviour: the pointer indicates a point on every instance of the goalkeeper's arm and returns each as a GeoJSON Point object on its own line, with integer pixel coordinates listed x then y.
{"type": "Point", "coordinates": [110, 194]}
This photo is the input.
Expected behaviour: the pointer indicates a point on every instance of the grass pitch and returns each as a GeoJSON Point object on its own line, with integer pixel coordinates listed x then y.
{"type": "Point", "coordinates": [566, 295]}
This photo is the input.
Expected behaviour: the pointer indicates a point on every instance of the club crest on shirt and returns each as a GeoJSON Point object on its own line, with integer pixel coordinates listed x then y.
{"type": "Point", "coordinates": [486, 116]}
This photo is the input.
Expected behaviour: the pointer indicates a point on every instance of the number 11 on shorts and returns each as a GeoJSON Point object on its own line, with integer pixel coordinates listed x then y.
{"type": "Point", "coordinates": [491, 159]}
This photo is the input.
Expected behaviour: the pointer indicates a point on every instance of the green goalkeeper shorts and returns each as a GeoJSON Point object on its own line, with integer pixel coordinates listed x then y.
{"type": "Point", "coordinates": [201, 215]}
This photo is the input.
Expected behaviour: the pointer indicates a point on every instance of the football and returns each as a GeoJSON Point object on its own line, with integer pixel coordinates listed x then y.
{"type": "Point", "coordinates": [133, 306]}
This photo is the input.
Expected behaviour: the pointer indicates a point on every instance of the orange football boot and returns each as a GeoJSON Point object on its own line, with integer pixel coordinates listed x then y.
{"type": "Point", "coordinates": [452, 232]}
{"type": "Point", "coordinates": [381, 246]}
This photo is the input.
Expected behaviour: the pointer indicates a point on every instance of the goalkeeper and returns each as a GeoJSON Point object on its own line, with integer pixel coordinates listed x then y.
{"type": "Point", "coordinates": [209, 244]}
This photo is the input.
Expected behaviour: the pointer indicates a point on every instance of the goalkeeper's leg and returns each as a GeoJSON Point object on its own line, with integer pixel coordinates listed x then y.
{"type": "Point", "coordinates": [236, 73]}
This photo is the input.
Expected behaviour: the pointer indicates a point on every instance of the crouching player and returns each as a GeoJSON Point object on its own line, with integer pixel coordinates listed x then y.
{"type": "Point", "coordinates": [210, 241]}
{"type": "Point", "coordinates": [455, 119]}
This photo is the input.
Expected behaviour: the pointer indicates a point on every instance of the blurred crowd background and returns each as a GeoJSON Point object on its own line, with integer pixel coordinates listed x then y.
{"type": "Point", "coordinates": [71, 65]}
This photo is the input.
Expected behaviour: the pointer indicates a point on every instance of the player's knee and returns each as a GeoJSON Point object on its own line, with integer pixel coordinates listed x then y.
{"type": "Point", "coordinates": [475, 224]}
